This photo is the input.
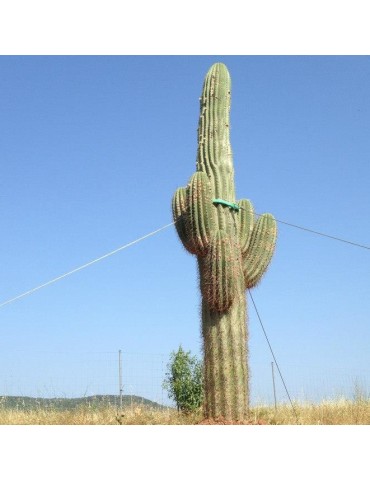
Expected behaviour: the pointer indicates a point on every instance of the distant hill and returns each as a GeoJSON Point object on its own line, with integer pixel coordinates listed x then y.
{"type": "Point", "coordinates": [94, 401]}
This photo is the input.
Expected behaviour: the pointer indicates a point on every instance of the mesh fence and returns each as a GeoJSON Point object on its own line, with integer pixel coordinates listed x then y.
{"type": "Point", "coordinates": [83, 374]}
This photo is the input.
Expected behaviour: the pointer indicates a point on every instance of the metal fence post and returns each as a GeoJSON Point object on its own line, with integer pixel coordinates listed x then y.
{"type": "Point", "coordinates": [120, 378]}
{"type": "Point", "coordinates": [273, 383]}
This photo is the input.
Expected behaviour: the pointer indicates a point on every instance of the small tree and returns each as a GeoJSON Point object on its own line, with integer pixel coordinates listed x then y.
{"type": "Point", "coordinates": [184, 380]}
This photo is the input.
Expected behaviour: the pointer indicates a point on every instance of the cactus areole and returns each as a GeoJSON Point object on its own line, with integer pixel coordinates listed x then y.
{"type": "Point", "coordinates": [233, 251]}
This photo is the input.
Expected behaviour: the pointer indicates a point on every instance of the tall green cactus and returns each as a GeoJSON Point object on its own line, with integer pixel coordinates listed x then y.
{"type": "Point", "coordinates": [233, 252]}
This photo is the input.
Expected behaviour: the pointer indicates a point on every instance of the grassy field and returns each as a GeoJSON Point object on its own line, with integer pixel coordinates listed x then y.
{"type": "Point", "coordinates": [339, 412]}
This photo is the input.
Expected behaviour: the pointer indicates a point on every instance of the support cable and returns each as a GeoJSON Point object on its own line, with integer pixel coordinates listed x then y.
{"type": "Point", "coordinates": [29, 292]}
{"type": "Point", "coordinates": [276, 363]}
{"type": "Point", "coordinates": [322, 234]}
{"type": "Point", "coordinates": [11, 300]}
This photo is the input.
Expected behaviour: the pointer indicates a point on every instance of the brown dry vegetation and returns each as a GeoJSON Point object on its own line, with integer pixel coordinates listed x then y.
{"type": "Point", "coordinates": [339, 412]}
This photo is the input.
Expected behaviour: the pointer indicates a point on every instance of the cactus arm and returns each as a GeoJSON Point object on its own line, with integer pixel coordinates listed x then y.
{"type": "Point", "coordinates": [179, 213]}
{"type": "Point", "coordinates": [200, 219]}
{"type": "Point", "coordinates": [260, 250]}
{"type": "Point", "coordinates": [246, 221]}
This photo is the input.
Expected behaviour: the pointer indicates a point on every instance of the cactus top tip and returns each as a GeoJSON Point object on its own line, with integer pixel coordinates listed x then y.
{"type": "Point", "coordinates": [217, 78]}
{"type": "Point", "coordinates": [218, 67]}
{"type": "Point", "coordinates": [218, 74]}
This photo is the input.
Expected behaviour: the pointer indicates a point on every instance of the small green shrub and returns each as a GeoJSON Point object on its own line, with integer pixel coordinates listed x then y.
{"type": "Point", "coordinates": [184, 381]}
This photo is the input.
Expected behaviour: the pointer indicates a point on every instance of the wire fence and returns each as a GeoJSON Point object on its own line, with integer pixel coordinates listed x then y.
{"type": "Point", "coordinates": [308, 383]}
{"type": "Point", "coordinates": [84, 374]}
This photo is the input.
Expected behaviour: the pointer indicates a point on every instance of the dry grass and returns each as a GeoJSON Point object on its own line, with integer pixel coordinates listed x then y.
{"type": "Point", "coordinates": [339, 412]}
{"type": "Point", "coordinates": [95, 416]}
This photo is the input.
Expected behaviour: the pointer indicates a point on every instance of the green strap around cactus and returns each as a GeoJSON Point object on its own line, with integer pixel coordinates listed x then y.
{"type": "Point", "coordinates": [232, 206]}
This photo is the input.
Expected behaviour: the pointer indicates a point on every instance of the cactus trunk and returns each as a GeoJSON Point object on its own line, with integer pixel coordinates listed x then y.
{"type": "Point", "coordinates": [233, 252]}
{"type": "Point", "coordinates": [226, 387]}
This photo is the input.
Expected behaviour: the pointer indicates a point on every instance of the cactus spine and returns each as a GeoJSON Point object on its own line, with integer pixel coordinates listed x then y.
{"type": "Point", "coordinates": [233, 252]}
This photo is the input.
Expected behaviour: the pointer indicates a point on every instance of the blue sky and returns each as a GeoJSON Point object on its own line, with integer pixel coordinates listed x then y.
{"type": "Point", "coordinates": [92, 149]}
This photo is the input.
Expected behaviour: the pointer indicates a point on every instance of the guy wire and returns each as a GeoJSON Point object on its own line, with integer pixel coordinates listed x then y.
{"type": "Point", "coordinates": [11, 300]}
{"type": "Point", "coordinates": [277, 365]}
